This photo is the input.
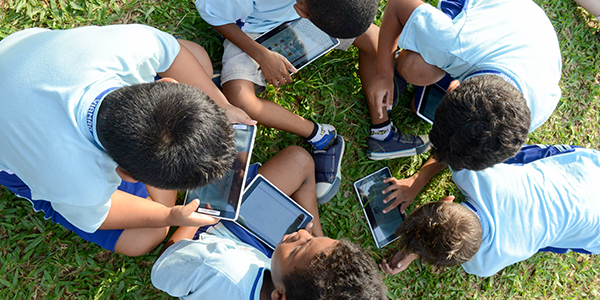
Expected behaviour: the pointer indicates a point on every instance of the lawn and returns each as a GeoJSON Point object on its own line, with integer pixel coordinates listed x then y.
{"type": "Point", "coordinates": [39, 260]}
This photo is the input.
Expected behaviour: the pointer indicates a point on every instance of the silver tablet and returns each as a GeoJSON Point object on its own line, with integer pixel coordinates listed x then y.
{"type": "Point", "coordinates": [269, 214]}
{"type": "Point", "coordinates": [382, 226]}
{"type": "Point", "coordinates": [224, 196]}
{"type": "Point", "coordinates": [300, 41]}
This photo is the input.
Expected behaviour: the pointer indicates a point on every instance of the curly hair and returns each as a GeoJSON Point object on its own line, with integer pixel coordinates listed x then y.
{"type": "Point", "coordinates": [342, 18]}
{"type": "Point", "coordinates": [441, 233]}
{"type": "Point", "coordinates": [347, 272]}
{"type": "Point", "coordinates": [167, 135]}
{"type": "Point", "coordinates": [479, 124]}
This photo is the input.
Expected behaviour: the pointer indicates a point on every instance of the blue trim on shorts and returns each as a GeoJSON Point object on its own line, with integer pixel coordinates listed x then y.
{"type": "Point", "coordinates": [106, 239]}
{"type": "Point", "coordinates": [453, 7]}
{"type": "Point", "coordinates": [531, 153]}
{"type": "Point", "coordinates": [563, 250]}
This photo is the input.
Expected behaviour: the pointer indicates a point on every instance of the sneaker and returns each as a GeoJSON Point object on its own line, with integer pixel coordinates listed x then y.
{"type": "Point", "coordinates": [399, 145]}
{"type": "Point", "coordinates": [328, 165]}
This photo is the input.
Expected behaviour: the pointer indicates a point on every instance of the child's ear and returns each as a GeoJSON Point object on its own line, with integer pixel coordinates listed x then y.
{"type": "Point", "coordinates": [301, 9]}
{"type": "Point", "coordinates": [448, 198]}
{"type": "Point", "coordinates": [278, 295]}
{"type": "Point", "coordinates": [124, 175]}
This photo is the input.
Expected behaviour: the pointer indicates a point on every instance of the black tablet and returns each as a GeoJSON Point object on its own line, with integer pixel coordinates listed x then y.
{"type": "Point", "coordinates": [269, 214]}
{"type": "Point", "coordinates": [382, 226]}
{"type": "Point", "coordinates": [300, 41]}
{"type": "Point", "coordinates": [224, 196]}
{"type": "Point", "coordinates": [428, 98]}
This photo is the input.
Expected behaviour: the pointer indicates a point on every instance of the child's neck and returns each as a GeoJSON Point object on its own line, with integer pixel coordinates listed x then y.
{"type": "Point", "coordinates": [267, 286]}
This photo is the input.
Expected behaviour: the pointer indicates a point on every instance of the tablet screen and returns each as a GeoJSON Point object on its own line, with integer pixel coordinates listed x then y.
{"type": "Point", "coordinates": [270, 214]}
{"type": "Point", "coordinates": [300, 41]}
{"type": "Point", "coordinates": [383, 226]}
{"type": "Point", "coordinates": [432, 96]}
{"type": "Point", "coordinates": [224, 196]}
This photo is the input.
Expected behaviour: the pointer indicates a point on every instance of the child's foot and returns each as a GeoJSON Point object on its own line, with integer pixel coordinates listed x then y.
{"type": "Point", "coordinates": [397, 145]}
{"type": "Point", "coordinates": [328, 154]}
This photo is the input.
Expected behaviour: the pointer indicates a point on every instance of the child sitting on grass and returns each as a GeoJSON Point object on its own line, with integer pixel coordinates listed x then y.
{"type": "Point", "coordinates": [225, 263]}
{"type": "Point", "coordinates": [543, 199]}
{"type": "Point", "coordinates": [248, 66]}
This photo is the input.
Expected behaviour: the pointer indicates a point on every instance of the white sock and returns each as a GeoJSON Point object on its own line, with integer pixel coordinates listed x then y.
{"type": "Point", "coordinates": [322, 130]}
{"type": "Point", "coordinates": [382, 133]}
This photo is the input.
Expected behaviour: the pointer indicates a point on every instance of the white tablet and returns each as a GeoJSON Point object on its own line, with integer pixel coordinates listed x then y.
{"type": "Point", "coordinates": [382, 226]}
{"type": "Point", "coordinates": [224, 196]}
{"type": "Point", "coordinates": [300, 41]}
{"type": "Point", "coordinates": [269, 214]}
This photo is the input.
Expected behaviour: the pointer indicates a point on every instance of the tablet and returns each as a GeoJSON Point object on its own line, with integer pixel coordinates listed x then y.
{"type": "Point", "coordinates": [224, 196]}
{"type": "Point", "coordinates": [428, 98]}
{"type": "Point", "coordinates": [299, 40]}
{"type": "Point", "coordinates": [382, 226]}
{"type": "Point", "coordinates": [269, 214]}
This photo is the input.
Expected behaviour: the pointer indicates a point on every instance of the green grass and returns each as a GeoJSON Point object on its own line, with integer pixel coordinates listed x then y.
{"type": "Point", "coordinates": [39, 260]}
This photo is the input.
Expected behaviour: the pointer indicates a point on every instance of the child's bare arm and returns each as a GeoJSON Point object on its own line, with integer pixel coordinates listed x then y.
{"type": "Point", "coordinates": [395, 16]}
{"type": "Point", "coordinates": [398, 263]}
{"type": "Point", "coordinates": [187, 69]}
{"type": "Point", "coordinates": [129, 211]}
{"type": "Point", "coordinates": [405, 190]}
{"type": "Point", "coordinates": [274, 66]}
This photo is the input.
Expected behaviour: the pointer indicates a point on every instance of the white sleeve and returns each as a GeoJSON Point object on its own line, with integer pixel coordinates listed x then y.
{"type": "Point", "coordinates": [86, 218]}
{"type": "Point", "coordinates": [221, 12]}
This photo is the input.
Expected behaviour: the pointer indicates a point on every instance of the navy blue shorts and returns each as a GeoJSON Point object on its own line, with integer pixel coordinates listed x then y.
{"type": "Point", "coordinates": [106, 239]}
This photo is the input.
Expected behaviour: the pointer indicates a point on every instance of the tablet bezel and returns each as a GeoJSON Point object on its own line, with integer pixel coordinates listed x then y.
{"type": "Point", "coordinates": [224, 215]}
{"type": "Point", "coordinates": [289, 24]}
{"type": "Point", "coordinates": [385, 171]}
{"type": "Point", "coordinates": [423, 101]}
{"type": "Point", "coordinates": [259, 179]}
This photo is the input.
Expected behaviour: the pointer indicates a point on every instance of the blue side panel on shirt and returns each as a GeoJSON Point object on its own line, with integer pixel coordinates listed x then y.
{"type": "Point", "coordinates": [530, 153]}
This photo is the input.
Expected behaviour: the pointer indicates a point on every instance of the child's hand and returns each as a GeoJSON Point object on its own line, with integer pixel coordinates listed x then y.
{"type": "Point", "coordinates": [381, 93]}
{"type": "Point", "coordinates": [402, 190]}
{"type": "Point", "coordinates": [276, 68]}
{"type": "Point", "coordinates": [237, 115]}
{"type": "Point", "coordinates": [397, 264]}
{"type": "Point", "coordinates": [187, 216]}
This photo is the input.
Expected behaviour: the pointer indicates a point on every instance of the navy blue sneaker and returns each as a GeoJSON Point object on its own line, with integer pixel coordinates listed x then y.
{"type": "Point", "coordinates": [328, 165]}
{"type": "Point", "coordinates": [398, 145]}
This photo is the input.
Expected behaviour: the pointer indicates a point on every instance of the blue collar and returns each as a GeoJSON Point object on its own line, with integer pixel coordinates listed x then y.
{"type": "Point", "coordinates": [504, 76]}
{"type": "Point", "coordinates": [473, 209]}
{"type": "Point", "coordinates": [91, 113]}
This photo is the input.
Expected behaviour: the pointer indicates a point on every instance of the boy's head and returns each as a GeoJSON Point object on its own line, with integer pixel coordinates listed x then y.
{"type": "Point", "coordinates": [339, 18]}
{"type": "Point", "coordinates": [482, 122]}
{"type": "Point", "coordinates": [167, 135]}
{"type": "Point", "coordinates": [441, 233]}
{"type": "Point", "coordinates": [306, 267]}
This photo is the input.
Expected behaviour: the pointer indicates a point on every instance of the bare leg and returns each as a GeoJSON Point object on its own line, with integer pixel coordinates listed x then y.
{"type": "Point", "coordinates": [241, 94]}
{"type": "Point", "coordinates": [200, 55]}
{"type": "Point", "coordinates": [292, 171]}
{"type": "Point", "coordinates": [416, 71]}
{"type": "Point", "coordinates": [592, 6]}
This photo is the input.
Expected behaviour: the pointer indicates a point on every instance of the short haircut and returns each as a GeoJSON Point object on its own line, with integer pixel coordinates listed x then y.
{"type": "Point", "coordinates": [483, 122]}
{"type": "Point", "coordinates": [167, 135]}
{"type": "Point", "coordinates": [441, 233]}
{"type": "Point", "coordinates": [347, 272]}
{"type": "Point", "coordinates": [342, 18]}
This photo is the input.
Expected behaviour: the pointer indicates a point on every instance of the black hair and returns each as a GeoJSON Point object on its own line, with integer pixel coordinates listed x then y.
{"type": "Point", "coordinates": [348, 272]}
{"type": "Point", "coordinates": [342, 18]}
{"type": "Point", "coordinates": [167, 135]}
{"type": "Point", "coordinates": [441, 233]}
{"type": "Point", "coordinates": [479, 124]}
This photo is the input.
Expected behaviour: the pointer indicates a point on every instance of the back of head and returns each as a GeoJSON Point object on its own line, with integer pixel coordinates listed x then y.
{"type": "Point", "coordinates": [343, 18]}
{"type": "Point", "coordinates": [479, 124]}
{"type": "Point", "coordinates": [167, 135]}
{"type": "Point", "coordinates": [441, 233]}
{"type": "Point", "coordinates": [347, 272]}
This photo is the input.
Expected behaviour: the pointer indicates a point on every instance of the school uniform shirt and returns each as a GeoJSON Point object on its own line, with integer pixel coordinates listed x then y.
{"type": "Point", "coordinates": [52, 82]}
{"type": "Point", "coordinates": [252, 16]}
{"type": "Point", "coordinates": [512, 37]}
{"type": "Point", "coordinates": [550, 202]}
{"type": "Point", "coordinates": [216, 266]}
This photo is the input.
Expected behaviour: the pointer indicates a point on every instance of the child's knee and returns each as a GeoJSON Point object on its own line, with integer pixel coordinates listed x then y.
{"type": "Point", "coordinates": [140, 241]}
{"type": "Point", "coordinates": [300, 156]}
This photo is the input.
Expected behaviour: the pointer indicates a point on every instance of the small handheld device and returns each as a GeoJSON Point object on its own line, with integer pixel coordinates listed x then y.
{"type": "Point", "coordinates": [369, 190]}
{"type": "Point", "coordinates": [222, 199]}
{"type": "Point", "coordinates": [428, 98]}
{"type": "Point", "coordinates": [269, 214]}
{"type": "Point", "coordinates": [299, 40]}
